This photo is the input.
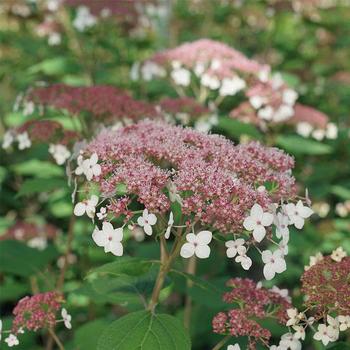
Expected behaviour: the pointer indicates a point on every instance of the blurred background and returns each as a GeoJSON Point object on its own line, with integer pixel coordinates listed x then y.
{"type": "Point", "coordinates": [84, 43]}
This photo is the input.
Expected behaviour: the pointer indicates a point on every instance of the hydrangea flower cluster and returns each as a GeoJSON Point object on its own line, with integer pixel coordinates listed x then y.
{"type": "Point", "coordinates": [35, 235]}
{"type": "Point", "coordinates": [219, 186]}
{"type": "Point", "coordinates": [252, 303]}
{"type": "Point", "coordinates": [34, 313]}
{"type": "Point", "coordinates": [327, 298]}
{"type": "Point", "coordinates": [104, 103]}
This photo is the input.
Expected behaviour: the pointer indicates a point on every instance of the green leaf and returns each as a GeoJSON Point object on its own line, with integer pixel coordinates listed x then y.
{"type": "Point", "coordinates": [38, 168]}
{"type": "Point", "coordinates": [341, 191]}
{"type": "Point", "coordinates": [85, 336]}
{"type": "Point", "coordinates": [235, 128]}
{"type": "Point", "coordinates": [40, 185]}
{"type": "Point", "coordinates": [298, 145]}
{"type": "Point", "coordinates": [340, 346]}
{"type": "Point", "coordinates": [143, 330]}
{"type": "Point", "coordinates": [19, 259]}
{"type": "Point", "coordinates": [124, 266]}
{"type": "Point", "coordinates": [54, 66]}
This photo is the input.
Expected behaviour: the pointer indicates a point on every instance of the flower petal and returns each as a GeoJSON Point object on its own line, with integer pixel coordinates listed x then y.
{"type": "Point", "coordinates": [256, 211]}
{"type": "Point", "coordinates": [249, 224]}
{"type": "Point", "coordinates": [266, 256]}
{"type": "Point", "coordinates": [202, 251]}
{"type": "Point", "coordinates": [99, 237]}
{"type": "Point", "coordinates": [148, 229]}
{"type": "Point", "coordinates": [267, 219]}
{"type": "Point", "coordinates": [259, 233]}
{"type": "Point", "coordinates": [204, 237]}
{"type": "Point", "coordinates": [79, 209]}
{"type": "Point", "coordinates": [116, 249]}
{"type": "Point", "coordinates": [269, 272]}
{"type": "Point", "coordinates": [152, 219]}
{"type": "Point", "coordinates": [187, 250]}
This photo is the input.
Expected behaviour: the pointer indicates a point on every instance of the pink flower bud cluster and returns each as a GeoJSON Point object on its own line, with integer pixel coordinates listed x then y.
{"type": "Point", "coordinates": [47, 131]}
{"type": "Point", "coordinates": [253, 302]}
{"type": "Point", "coordinates": [216, 180]}
{"type": "Point", "coordinates": [326, 286]}
{"type": "Point", "coordinates": [105, 103]}
{"type": "Point", "coordinates": [25, 231]}
{"type": "Point", "coordinates": [36, 312]}
{"type": "Point", "coordinates": [205, 51]}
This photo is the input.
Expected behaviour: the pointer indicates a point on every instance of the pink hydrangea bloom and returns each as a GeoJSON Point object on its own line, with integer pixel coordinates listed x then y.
{"type": "Point", "coordinates": [216, 180]}
{"type": "Point", "coordinates": [36, 312]}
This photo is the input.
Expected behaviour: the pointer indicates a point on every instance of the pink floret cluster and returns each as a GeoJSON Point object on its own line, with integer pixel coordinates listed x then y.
{"type": "Point", "coordinates": [217, 182]}
{"type": "Point", "coordinates": [36, 312]}
{"type": "Point", "coordinates": [252, 302]}
{"type": "Point", "coordinates": [204, 51]}
{"type": "Point", "coordinates": [105, 103]}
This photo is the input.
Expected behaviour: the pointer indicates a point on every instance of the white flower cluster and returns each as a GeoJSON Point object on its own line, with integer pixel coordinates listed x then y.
{"type": "Point", "coordinates": [337, 255]}
{"type": "Point", "coordinates": [326, 332]}
{"type": "Point", "coordinates": [268, 112]}
{"type": "Point", "coordinates": [11, 136]}
{"type": "Point", "coordinates": [305, 129]}
{"type": "Point", "coordinates": [84, 19]}
{"type": "Point", "coordinates": [60, 153]}
{"type": "Point", "coordinates": [257, 222]}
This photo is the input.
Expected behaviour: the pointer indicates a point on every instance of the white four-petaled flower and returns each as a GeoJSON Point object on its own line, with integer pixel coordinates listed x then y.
{"type": "Point", "coordinates": [297, 213]}
{"type": "Point", "coordinates": [274, 263]}
{"type": "Point", "coordinates": [88, 167]}
{"type": "Point", "coordinates": [243, 258]}
{"type": "Point", "coordinates": [323, 334]}
{"type": "Point", "coordinates": [87, 206]}
{"type": "Point", "coordinates": [66, 318]}
{"type": "Point", "coordinates": [181, 76]}
{"type": "Point", "coordinates": [338, 254]}
{"type": "Point", "coordinates": [344, 322]}
{"type": "Point", "coordinates": [197, 244]}
{"type": "Point", "coordinates": [234, 247]}
{"type": "Point", "coordinates": [11, 340]}
{"type": "Point", "coordinates": [109, 238]}
{"type": "Point", "coordinates": [147, 221]}
{"type": "Point", "coordinates": [60, 153]}
{"type": "Point", "coordinates": [23, 140]}
{"type": "Point", "coordinates": [257, 221]}
{"type": "Point", "coordinates": [102, 214]}
{"type": "Point", "coordinates": [170, 225]}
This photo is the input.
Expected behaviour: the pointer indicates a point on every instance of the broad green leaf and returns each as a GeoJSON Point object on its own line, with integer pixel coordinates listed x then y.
{"type": "Point", "coordinates": [235, 128]}
{"type": "Point", "coordinates": [341, 191]}
{"type": "Point", "coordinates": [38, 168]}
{"type": "Point", "coordinates": [32, 186]}
{"type": "Point", "coordinates": [54, 66]}
{"type": "Point", "coordinates": [124, 266]}
{"type": "Point", "coordinates": [298, 145]}
{"type": "Point", "coordinates": [143, 330]}
{"type": "Point", "coordinates": [19, 259]}
{"type": "Point", "coordinates": [85, 336]}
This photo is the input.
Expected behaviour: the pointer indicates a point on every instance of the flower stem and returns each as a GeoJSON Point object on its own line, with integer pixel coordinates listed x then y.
{"type": "Point", "coordinates": [191, 269]}
{"type": "Point", "coordinates": [221, 343]}
{"type": "Point", "coordinates": [166, 262]}
{"type": "Point", "coordinates": [56, 339]}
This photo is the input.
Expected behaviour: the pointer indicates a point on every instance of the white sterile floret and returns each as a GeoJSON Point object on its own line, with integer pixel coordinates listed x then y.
{"type": "Point", "coordinates": [84, 19]}
{"type": "Point", "coordinates": [344, 322]}
{"type": "Point", "coordinates": [234, 247]}
{"type": "Point", "coordinates": [88, 167]}
{"type": "Point", "coordinates": [67, 318]}
{"type": "Point", "coordinates": [297, 213]}
{"type": "Point", "coordinates": [170, 225]}
{"type": "Point", "coordinates": [243, 259]}
{"type": "Point", "coordinates": [304, 129]}
{"type": "Point", "coordinates": [87, 206]}
{"type": "Point", "coordinates": [331, 131]}
{"type": "Point", "coordinates": [199, 69]}
{"type": "Point", "coordinates": [294, 317]}
{"type": "Point", "coordinates": [8, 139]}
{"type": "Point", "coordinates": [149, 70]}
{"type": "Point", "coordinates": [289, 97]}
{"type": "Point", "coordinates": [230, 86]}
{"type": "Point", "coordinates": [109, 238]}
{"type": "Point", "coordinates": [283, 113]}
{"type": "Point", "coordinates": [318, 134]}
{"type": "Point", "coordinates": [281, 221]}
{"type": "Point", "coordinates": [289, 341]}
{"type": "Point", "coordinates": [54, 39]}
{"type": "Point", "coordinates": [314, 260]}
{"type": "Point", "coordinates": [11, 340]}
{"type": "Point", "coordinates": [338, 254]}
{"type": "Point", "coordinates": [39, 243]}
{"type": "Point", "coordinates": [102, 214]}
{"type": "Point", "coordinates": [266, 113]}
{"type": "Point", "coordinates": [197, 244]}
{"type": "Point", "coordinates": [60, 153]}
{"type": "Point", "coordinates": [299, 332]}
{"type": "Point", "coordinates": [257, 101]}
{"type": "Point", "coordinates": [274, 263]}
{"type": "Point", "coordinates": [323, 334]}
{"type": "Point", "coordinates": [23, 140]}
{"type": "Point", "coordinates": [284, 293]}
{"type": "Point", "coordinates": [181, 76]}
{"type": "Point", "coordinates": [333, 327]}
{"type": "Point", "coordinates": [234, 347]}
{"type": "Point", "coordinates": [146, 221]}
{"type": "Point", "coordinates": [257, 221]}
{"type": "Point", "coordinates": [210, 81]}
